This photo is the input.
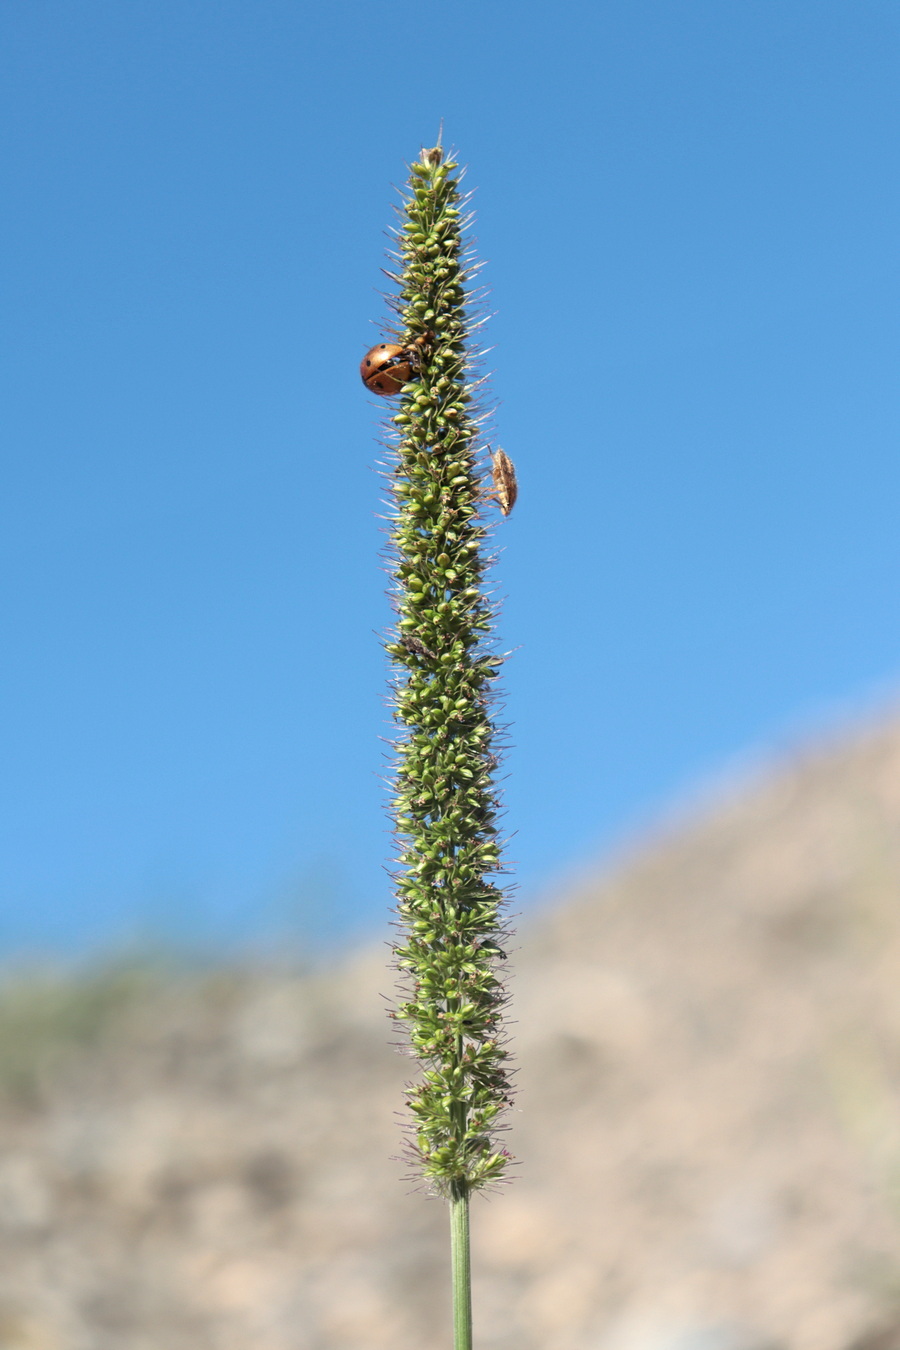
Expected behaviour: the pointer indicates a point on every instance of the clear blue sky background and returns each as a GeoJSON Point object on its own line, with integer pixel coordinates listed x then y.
{"type": "Point", "coordinates": [691, 216]}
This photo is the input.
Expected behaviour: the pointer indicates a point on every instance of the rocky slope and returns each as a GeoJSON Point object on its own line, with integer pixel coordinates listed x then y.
{"type": "Point", "coordinates": [709, 1119]}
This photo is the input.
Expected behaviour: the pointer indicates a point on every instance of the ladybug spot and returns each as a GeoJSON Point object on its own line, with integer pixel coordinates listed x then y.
{"type": "Point", "coordinates": [368, 362]}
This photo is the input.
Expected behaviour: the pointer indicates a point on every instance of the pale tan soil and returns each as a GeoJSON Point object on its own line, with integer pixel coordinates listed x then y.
{"type": "Point", "coordinates": [709, 1120]}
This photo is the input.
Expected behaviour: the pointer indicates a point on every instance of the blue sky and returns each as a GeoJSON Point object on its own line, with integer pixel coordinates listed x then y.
{"type": "Point", "coordinates": [690, 214]}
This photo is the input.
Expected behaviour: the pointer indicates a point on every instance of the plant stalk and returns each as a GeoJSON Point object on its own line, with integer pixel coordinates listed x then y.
{"type": "Point", "coordinates": [462, 1267]}
{"type": "Point", "coordinates": [450, 901]}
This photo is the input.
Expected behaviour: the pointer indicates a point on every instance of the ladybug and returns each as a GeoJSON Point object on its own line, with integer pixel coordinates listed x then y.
{"type": "Point", "coordinates": [386, 367]}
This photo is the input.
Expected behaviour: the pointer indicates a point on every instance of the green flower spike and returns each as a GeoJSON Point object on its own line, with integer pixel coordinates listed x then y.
{"type": "Point", "coordinates": [445, 806]}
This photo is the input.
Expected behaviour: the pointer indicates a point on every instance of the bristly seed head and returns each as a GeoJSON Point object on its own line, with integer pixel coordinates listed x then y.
{"type": "Point", "coordinates": [445, 803]}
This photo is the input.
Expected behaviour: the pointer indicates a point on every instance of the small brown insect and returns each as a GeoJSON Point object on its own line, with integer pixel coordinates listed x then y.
{"type": "Point", "coordinates": [387, 367]}
{"type": "Point", "coordinates": [414, 644]}
{"type": "Point", "coordinates": [506, 489]}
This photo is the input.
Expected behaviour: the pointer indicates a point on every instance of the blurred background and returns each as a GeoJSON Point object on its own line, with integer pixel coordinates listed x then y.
{"type": "Point", "coordinates": [690, 214]}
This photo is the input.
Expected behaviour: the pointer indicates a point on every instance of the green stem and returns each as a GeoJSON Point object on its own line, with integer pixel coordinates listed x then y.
{"type": "Point", "coordinates": [449, 900]}
{"type": "Point", "coordinates": [462, 1266]}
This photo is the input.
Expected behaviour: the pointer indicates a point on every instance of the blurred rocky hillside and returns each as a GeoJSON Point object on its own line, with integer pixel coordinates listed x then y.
{"type": "Point", "coordinates": [708, 1122]}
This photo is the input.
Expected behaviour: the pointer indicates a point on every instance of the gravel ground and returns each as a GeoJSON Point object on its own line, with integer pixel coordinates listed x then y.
{"type": "Point", "coordinates": [708, 1120]}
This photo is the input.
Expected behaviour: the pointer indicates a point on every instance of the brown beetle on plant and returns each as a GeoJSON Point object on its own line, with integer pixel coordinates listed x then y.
{"type": "Point", "coordinates": [387, 366]}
